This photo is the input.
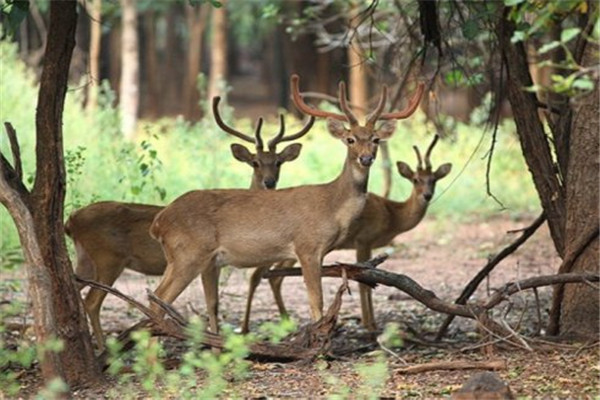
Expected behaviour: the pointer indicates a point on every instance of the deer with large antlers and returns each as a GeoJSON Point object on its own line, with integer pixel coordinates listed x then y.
{"type": "Point", "coordinates": [206, 229]}
{"type": "Point", "coordinates": [110, 236]}
{"type": "Point", "coordinates": [380, 221]}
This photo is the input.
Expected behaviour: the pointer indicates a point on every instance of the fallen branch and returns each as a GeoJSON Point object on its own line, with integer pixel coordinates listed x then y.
{"type": "Point", "coordinates": [474, 283]}
{"type": "Point", "coordinates": [493, 365]}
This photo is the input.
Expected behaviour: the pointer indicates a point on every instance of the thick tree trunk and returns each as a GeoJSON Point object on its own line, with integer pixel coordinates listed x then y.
{"type": "Point", "coordinates": [579, 304]}
{"type": "Point", "coordinates": [218, 62]}
{"type": "Point", "coordinates": [95, 42]}
{"type": "Point", "coordinates": [58, 312]}
{"type": "Point", "coordinates": [130, 86]}
{"type": "Point", "coordinates": [532, 136]}
{"type": "Point", "coordinates": [196, 22]}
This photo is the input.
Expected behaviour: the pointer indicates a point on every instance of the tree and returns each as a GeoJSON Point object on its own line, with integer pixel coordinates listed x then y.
{"type": "Point", "coordinates": [129, 90]}
{"type": "Point", "coordinates": [218, 61]}
{"type": "Point", "coordinates": [95, 12]}
{"type": "Point", "coordinates": [196, 22]}
{"type": "Point", "coordinates": [38, 215]}
{"type": "Point", "coordinates": [567, 186]}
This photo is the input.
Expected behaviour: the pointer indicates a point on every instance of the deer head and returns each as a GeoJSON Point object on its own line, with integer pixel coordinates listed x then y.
{"type": "Point", "coordinates": [266, 164]}
{"type": "Point", "coordinates": [361, 140]}
{"type": "Point", "coordinates": [424, 179]}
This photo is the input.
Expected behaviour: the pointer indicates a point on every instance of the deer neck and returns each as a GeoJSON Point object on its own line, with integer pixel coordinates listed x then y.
{"type": "Point", "coordinates": [256, 183]}
{"type": "Point", "coordinates": [353, 180]}
{"type": "Point", "coordinates": [407, 214]}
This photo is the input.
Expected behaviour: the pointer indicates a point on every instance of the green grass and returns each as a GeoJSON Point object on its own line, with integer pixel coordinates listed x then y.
{"type": "Point", "coordinates": [173, 156]}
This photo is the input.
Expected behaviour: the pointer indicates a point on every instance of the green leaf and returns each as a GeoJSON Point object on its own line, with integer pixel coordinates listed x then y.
{"type": "Point", "coordinates": [583, 84]}
{"type": "Point", "coordinates": [548, 46]}
{"type": "Point", "coordinates": [511, 3]}
{"type": "Point", "coordinates": [569, 34]}
{"type": "Point", "coordinates": [518, 36]}
{"type": "Point", "coordinates": [15, 11]}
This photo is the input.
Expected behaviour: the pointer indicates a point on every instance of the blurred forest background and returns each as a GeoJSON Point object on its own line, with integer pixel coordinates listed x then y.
{"type": "Point", "coordinates": [137, 126]}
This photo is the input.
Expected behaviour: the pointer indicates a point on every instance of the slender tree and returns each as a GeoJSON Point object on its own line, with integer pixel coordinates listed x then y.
{"type": "Point", "coordinates": [129, 90]}
{"type": "Point", "coordinates": [218, 61]}
{"type": "Point", "coordinates": [38, 216]}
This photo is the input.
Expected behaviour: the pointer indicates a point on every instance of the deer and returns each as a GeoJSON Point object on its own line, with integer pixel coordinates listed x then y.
{"type": "Point", "coordinates": [111, 236]}
{"type": "Point", "coordinates": [203, 230]}
{"type": "Point", "coordinates": [380, 221]}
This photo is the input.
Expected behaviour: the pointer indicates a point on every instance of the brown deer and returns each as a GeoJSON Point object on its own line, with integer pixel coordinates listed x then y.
{"type": "Point", "coordinates": [111, 236]}
{"type": "Point", "coordinates": [206, 229]}
{"type": "Point", "coordinates": [380, 221]}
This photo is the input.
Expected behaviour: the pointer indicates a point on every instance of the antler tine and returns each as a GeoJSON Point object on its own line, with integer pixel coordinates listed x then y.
{"type": "Point", "coordinates": [344, 105]}
{"type": "Point", "coordinates": [223, 126]}
{"type": "Point", "coordinates": [411, 108]}
{"type": "Point", "coordinates": [259, 142]}
{"type": "Point", "coordinates": [374, 116]}
{"type": "Point", "coordinates": [273, 142]}
{"type": "Point", "coordinates": [305, 108]}
{"type": "Point", "coordinates": [428, 153]}
{"type": "Point", "coordinates": [420, 165]}
{"type": "Point", "coordinates": [305, 129]}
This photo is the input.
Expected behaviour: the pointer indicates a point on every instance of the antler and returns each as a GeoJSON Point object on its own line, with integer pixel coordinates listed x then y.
{"type": "Point", "coordinates": [259, 142]}
{"type": "Point", "coordinates": [375, 115]}
{"type": "Point", "coordinates": [410, 108]}
{"type": "Point", "coordinates": [280, 138]}
{"type": "Point", "coordinates": [428, 153]}
{"type": "Point", "coordinates": [308, 110]}
{"type": "Point", "coordinates": [228, 129]}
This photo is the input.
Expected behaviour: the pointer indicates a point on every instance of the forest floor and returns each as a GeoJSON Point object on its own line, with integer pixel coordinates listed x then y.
{"type": "Point", "coordinates": [440, 256]}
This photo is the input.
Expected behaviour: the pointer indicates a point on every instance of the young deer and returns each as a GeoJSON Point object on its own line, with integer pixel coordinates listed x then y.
{"type": "Point", "coordinates": [206, 229]}
{"type": "Point", "coordinates": [112, 236]}
{"type": "Point", "coordinates": [380, 221]}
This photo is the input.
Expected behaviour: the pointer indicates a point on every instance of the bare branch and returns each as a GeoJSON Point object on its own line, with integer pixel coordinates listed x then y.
{"type": "Point", "coordinates": [453, 365]}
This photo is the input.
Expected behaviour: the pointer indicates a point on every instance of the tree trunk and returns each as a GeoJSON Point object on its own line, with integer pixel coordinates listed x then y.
{"type": "Point", "coordinates": [218, 62]}
{"type": "Point", "coordinates": [58, 312]}
{"type": "Point", "coordinates": [130, 87]}
{"type": "Point", "coordinates": [532, 136]}
{"type": "Point", "coordinates": [153, 99]}
{"type": "Point", "coordinates": [95, 42]}
{"type": "Point", "coordinates": [196, 18]}
{"type": "Point", "coordinates": [579, 312]}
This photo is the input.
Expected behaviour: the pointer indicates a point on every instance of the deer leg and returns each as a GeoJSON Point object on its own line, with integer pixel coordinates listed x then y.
{"type": "Point", "coordinates": [311, 272]}
{"type": "Point", "coordinates": [363, 253]}
{"type": "Point", "coordinates": [176, 278]}
{"type": "Point", "coordinates": [276, 282]}
{"type": "Point", "coordinates": [255, 279]}
{"type": "Point", "coordinates": [95, 297]}
{"type": "Point", "coordinates": [210, 283]}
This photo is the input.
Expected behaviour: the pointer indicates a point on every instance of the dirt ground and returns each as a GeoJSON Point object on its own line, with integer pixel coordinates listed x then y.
{"type": "Point", "coordinates": [442, 257]}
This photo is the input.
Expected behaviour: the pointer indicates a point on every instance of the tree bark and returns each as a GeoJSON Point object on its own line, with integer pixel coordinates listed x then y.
{"type": "Point", "coordinates": [95, 42]}
{"type": "Point", "coordinates": [579, 304]}
{"type": "Point", "coordinates": [58, 312]}
{"type": "Point", "coordinates": [130, 87]}
{"type": "Point", "coordinates": [532, 136]}
{"type": "Point", "coordinates": [218, 62]}
{"type": "Point", "coordinates": [152, 106]}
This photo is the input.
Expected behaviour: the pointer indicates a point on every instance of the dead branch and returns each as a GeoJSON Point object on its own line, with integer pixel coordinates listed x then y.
{"type": "Point", "coordinates": [428, 298]}
{"type": "Point", "coordinates": [453, 365]}
{"type": "Point", "coordinates": [474, 283]}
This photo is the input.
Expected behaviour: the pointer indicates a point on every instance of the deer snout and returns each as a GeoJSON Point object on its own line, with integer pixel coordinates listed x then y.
{"type": "Point", "coordinates": [428, 196]}
{"type": "Point", "coordinates": [270, 183]}
{"type": "Point", "coordinates": [366, 161]}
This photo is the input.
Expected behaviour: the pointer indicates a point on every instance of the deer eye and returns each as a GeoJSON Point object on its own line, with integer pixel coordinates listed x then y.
{"type": "Point", "coordinates": [376, 140]}
{"type": "Point", "coordinates": [350, 140]}
{"type": "Point", "coordinates": [255, 164]}
{"type": "Point", "coordinates": [278, 163]}
{"type": "Point", "coordinates": [415, 180]}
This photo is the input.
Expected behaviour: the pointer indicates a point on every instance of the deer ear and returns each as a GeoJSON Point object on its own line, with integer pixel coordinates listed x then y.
{"type": "Point", "coordinates": [386, 129]}
{"type": "Point", "coordinates": [405, 170]}
{"type": "Point", "coordinates": [241, 153]}
{"type": "Point", "coordinates": [442, 171]}
{"type": "Point", "coordinates": [291, 152]}
{"type": "Point", "coordinates": [336, 128]}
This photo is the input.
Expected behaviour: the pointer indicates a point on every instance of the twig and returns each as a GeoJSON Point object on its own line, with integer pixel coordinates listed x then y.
{"type": "Point", "coordinates": [453, 365]}
{"type": "Point", "coordinates": [474, 283]}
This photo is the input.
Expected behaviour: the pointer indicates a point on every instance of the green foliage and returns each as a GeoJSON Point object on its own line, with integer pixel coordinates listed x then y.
{"type": "Point", "coordinates": [274, 332]}
{"type": "Point", "coordinates": [536, 21]}
{"type": "Point", "coordinates": [14, 11]}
